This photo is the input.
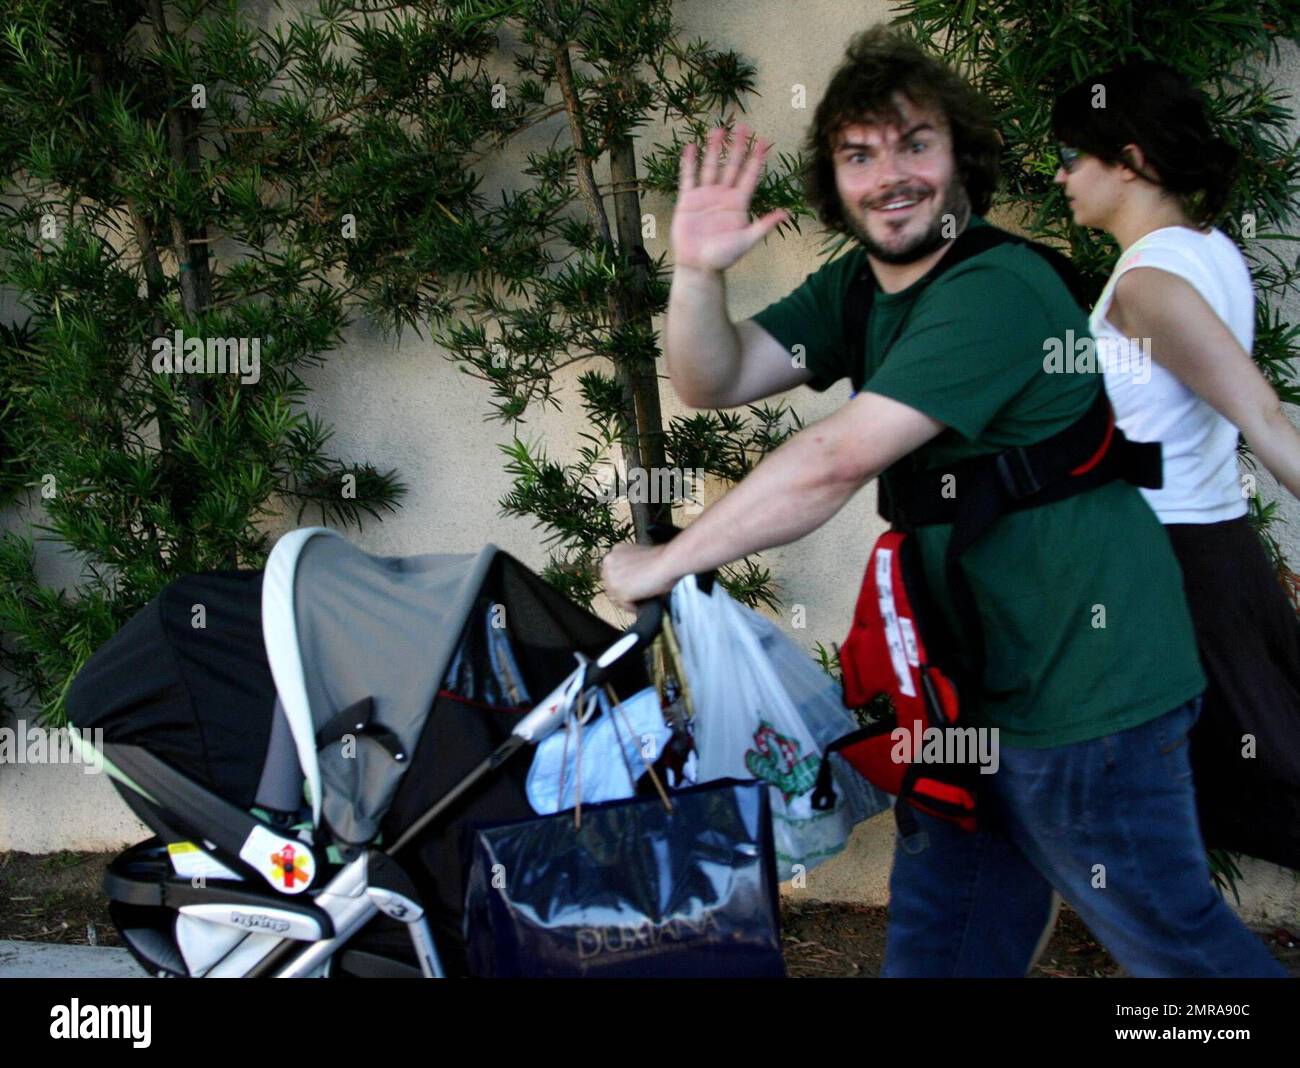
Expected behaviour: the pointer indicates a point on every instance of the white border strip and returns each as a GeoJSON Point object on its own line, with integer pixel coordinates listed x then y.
{"type": "Point", "coordinates": [280, 634]}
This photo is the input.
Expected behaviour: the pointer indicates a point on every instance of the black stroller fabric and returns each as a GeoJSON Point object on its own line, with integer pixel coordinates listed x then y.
{"type": "Point", "coordinates": [187, 678]}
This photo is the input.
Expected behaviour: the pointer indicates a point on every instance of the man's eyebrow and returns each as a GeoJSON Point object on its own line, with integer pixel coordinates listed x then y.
{"type": "Point", "coordinates": [902, 137]}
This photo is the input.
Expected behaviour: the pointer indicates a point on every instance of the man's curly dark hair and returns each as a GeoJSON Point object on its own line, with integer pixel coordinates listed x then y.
{"type": "Point", "coordinates": [880, 62]}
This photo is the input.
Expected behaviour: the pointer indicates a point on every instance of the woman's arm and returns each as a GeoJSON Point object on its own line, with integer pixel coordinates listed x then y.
{"type": "Point", "coordinates": [1194, 344]}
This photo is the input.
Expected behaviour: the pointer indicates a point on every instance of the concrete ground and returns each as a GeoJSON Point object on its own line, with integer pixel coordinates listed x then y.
{"type": "Point", "coordinates": [39, 960]}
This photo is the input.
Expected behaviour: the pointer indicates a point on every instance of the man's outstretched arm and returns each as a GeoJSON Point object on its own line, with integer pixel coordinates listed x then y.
{"type": "Point", "coordinates": [791, 493]}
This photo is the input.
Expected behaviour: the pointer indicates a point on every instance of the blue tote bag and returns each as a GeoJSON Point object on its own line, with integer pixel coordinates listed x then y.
{"type": "Point", "coordinates": [626, 889]}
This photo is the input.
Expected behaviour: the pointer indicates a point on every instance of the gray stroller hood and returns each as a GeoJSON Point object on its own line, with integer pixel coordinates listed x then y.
{"type": "Point", "coordinates": [357, 645]}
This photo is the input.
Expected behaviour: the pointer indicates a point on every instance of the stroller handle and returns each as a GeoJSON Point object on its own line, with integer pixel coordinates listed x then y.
{"type": "Point", "coordinates": [549, 713]}
{"type": "Point", "coordinates": [649, 615]}
{"type": "Point", "coordinates": [649, 620]}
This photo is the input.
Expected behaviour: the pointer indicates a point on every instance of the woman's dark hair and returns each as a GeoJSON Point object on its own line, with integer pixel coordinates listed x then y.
{"type": "Point", "coordinates": [878, 63]}
{"type": "Point", "coordinates": [1150, 105]}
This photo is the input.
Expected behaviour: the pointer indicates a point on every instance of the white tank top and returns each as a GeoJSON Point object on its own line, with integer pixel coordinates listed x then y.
{"type": "Point", "coordinates": [1201, 483]}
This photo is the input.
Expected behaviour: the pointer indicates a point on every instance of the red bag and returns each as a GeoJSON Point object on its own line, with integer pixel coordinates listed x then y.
{"type": "Point", "coordinates": [892, 648]}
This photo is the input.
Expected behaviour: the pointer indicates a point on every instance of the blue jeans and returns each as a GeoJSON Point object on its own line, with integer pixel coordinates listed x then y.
{"type": "Point", "coordinates": [1111, 824]}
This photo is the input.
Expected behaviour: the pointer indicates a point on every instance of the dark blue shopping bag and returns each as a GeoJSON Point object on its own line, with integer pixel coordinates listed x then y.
{"type": "Point", "coordinates": [633, 891]}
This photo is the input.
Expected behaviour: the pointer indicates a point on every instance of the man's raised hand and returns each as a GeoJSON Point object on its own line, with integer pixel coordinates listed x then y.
{"type": "Point", "coordinates": [711, 226]}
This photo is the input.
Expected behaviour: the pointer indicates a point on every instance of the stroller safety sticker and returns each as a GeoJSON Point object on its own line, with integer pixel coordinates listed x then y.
{"type": "Point", "coordinates": [286, 864]}
{"type": "Point", "coordinates": [191, 862]}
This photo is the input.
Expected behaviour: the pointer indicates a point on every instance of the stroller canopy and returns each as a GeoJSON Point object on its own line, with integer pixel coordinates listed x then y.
{"type": "Point", "coordinates": [187, 678]}
{"type": "Point", "coordinates": [355, 646]}
{"type": "Point", "coordinates": [341, 627]}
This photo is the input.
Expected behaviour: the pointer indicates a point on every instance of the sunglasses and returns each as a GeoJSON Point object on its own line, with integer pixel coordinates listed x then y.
{"type": "Point", "coordinates": [1069, 157]}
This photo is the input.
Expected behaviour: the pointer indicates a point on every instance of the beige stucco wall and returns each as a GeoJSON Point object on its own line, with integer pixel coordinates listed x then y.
{"type": "Point", "coordinates": [404, 406]}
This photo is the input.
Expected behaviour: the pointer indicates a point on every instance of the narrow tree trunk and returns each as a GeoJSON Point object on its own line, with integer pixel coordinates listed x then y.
{"type": "Point", "coordinates": [590, 195]}
{"type": "Point", "coordinates": [179, 489]}
{"type": "Point", "coordinates": [191, 251]}
{"type": "Point", "coordinates": [191, 255]}
{"type": "Point", "coordinates": [644, 379]}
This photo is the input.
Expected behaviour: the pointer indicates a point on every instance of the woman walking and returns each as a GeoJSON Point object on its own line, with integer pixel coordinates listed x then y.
{"type": "Point", "coordinates": [1174, 328]}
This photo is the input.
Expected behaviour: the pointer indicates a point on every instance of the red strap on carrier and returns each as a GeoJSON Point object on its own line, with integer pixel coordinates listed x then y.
{"type": "Point", "coordinates": [900, 645]}
{"type": "Point", "coordinates": [893, 648]}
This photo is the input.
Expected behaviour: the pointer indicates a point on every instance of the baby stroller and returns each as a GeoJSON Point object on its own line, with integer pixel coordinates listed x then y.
{"type": "Point", "coordinates": [306, 741]}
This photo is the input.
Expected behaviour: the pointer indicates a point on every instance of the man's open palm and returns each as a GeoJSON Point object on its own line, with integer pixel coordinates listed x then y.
{"type": "Point", "coordinates": [711, 225]}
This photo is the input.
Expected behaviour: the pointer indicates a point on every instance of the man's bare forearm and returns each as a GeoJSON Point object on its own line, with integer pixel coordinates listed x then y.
{"type": "Point", "coordinates": [700, 342]}
{"type": "Point", "coordinates": [793, 491]}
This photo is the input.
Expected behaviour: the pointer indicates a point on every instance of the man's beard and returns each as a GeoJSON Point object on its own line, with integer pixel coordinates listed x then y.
{"type": "Point", "coordinates": [956, 205]}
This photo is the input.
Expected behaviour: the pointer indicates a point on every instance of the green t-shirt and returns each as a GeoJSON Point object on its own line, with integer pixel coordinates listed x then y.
{"type": "Point", "coordinates": [1081, 602]}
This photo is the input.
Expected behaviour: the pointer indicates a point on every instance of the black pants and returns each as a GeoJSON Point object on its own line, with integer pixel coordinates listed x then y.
{"type": "Point", "coordinates": [1248, 634]}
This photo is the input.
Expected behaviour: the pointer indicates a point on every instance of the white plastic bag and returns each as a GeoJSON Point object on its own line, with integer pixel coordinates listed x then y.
{"type": "Point", "coordinates": [765, 710]}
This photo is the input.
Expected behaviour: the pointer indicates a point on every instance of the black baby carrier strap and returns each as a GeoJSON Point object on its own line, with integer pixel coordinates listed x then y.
{"type": "Point", "coordinates": [970, 242]}
{"type": "Point", "coordinates": [974, 494]}
{"type": "Point", "coordinates": [971, 496]}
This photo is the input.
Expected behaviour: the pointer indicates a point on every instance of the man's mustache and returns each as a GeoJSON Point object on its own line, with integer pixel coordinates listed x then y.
{"type": "Point", "coordinates": [904, 193]}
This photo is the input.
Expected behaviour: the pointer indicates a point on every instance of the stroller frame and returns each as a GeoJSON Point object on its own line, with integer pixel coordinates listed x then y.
{"type": "Point", "coordinates": [284, 935]}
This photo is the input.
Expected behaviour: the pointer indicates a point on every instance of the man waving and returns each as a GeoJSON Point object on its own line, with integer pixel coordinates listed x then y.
{"type": "Point", "coordinates": [1088, 666]}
